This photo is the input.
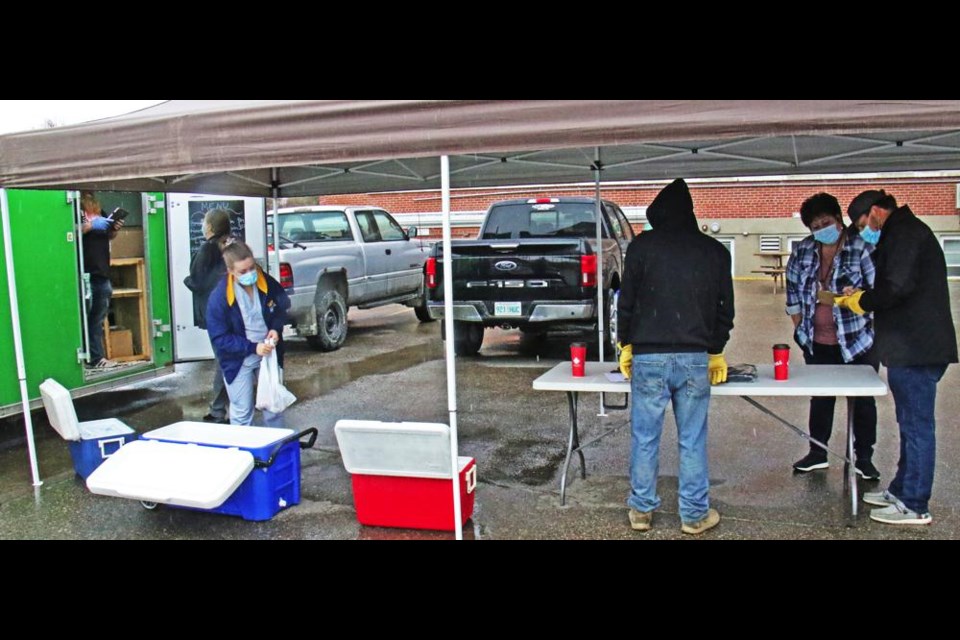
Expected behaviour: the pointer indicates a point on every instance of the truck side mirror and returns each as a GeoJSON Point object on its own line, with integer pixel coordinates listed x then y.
{"type": "Point", "coordinates": [411, 233]}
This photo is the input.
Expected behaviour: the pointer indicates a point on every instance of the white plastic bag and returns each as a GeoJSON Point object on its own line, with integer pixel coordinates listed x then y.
{"type": "Point", "coordinates": [272, 396]}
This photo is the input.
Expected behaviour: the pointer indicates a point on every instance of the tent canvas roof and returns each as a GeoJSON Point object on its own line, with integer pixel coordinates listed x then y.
{"type": "Point", "coordinates": [245, 147]}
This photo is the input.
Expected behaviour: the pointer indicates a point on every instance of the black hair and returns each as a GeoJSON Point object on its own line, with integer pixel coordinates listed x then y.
{"type": "Point", "coordinates": [817, 205]}
{"type": "Point", "coordinates": [887, 202]}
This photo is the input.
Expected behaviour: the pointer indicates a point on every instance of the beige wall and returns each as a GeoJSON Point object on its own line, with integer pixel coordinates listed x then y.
{"type": "Point", "coordinates": [746, 236]}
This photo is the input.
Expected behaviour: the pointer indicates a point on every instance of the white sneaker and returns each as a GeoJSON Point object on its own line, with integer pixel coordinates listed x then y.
{"type": "Point", "coordinates": [899, 514]}
{"type": "Point", "coordinates": [879, 498]}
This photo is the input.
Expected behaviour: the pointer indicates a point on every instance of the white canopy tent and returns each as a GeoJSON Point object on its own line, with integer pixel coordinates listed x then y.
{"type": "Point", "coordinates": [274, 148]}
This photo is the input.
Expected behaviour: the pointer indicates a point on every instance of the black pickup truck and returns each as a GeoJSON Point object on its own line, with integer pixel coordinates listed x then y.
{"type": "Point", "coordinates": [534, 268]}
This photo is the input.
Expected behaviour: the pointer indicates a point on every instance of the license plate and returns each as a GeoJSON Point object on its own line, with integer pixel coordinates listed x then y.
{"type": "Point", "coordinates": [506, 308]}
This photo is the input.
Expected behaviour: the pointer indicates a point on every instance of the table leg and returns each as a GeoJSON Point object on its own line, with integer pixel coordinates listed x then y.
{"type": "Point", "coordinates": [573, 443]}
{"type": "Point", "coordinates": [848, 467]}
{"type": "Point", "coordinates": [795, 429]}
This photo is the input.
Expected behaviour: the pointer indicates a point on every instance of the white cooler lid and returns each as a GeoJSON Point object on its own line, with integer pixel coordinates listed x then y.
{"type": "Point", "coordinates": [185, 475]}
{"type": "Point", "coordinates": [95, 429]}
{"type": "Point", "coordinates": [223, 435]}
{"type": "Point", "coordinates": [418, 449]}
{"type": "Point", "coordinates": [59, 406]}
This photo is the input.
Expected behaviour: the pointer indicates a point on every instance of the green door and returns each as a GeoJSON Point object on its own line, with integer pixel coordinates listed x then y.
{"type": "Point", "coordinates": [47, 276]}
{"type": "Point", "coordinates": [155, 223]}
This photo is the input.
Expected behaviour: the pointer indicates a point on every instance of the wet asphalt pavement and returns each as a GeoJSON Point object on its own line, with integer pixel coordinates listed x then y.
{"type": "Point", "coordinates": [392, 369]}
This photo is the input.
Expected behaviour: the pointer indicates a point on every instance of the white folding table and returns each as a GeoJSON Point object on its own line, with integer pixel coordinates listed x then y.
{"type": "Point", "coordinates": [849, 381]}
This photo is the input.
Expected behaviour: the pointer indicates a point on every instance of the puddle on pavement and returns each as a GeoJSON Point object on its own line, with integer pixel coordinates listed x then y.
{"type": "Point", "coordinates": [333, 376]}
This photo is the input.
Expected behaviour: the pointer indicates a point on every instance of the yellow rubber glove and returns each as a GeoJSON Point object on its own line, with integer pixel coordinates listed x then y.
{"type": "Point", "coordinates": [851, 302]}
{"type": "Point", "coordinates": [717, 368]}
{"type": "Point", "coordinates": [626, 359]}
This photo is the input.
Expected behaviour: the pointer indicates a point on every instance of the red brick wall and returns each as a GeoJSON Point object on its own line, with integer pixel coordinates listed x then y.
{"type": "Point", "coordinates": [926, 196]}
{"type": "Point", "coordinates": [717, 200]}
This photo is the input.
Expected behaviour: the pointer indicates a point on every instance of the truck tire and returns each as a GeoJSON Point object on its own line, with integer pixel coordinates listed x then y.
{"type": "Point", "coordinates": [331, 313]}
{"type": "Point", "coordinates": [468, 337]}
{"type": "Point", "coordinates": [610, 322]}
{"type": "Point", "coordinates": [423, 315]}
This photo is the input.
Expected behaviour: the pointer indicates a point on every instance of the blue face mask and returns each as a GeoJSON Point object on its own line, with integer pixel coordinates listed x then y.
{"type": "Point", "coordinates": [248, 279]}
{"type": "Point", "coordinates": [869, 235]}
{"type": "Point", "coordinates": [828, 235]}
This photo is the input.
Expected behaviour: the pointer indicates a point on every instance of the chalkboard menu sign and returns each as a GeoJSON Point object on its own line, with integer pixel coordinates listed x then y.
{"type": "Point", "coordinates": [199, 208]}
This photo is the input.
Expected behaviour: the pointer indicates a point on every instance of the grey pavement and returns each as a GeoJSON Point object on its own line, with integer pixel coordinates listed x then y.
{"type": "Point", "coordinates": [392, 369]}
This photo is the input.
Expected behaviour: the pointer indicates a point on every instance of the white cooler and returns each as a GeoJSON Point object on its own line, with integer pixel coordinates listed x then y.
{"type": "Point", "coordinates": [252, 472]}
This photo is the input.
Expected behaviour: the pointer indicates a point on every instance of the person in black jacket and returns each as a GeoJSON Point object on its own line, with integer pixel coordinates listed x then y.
{"type": "Point", "coordinates": [675, 315]}
{"type": "Point", "coordinates": [98, 230]}
{"type": "Point", "coordinates": [206, 270]}
{"type": "Point", "coordinates": [915, 339]}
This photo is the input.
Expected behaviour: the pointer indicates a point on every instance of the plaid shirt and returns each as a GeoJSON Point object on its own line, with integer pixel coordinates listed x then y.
{"type": "Point", "coordinates": [852, 267]}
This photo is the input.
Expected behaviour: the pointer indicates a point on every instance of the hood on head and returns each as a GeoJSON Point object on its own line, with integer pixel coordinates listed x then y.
{"type": "Point", "coordinates": [672, 209]}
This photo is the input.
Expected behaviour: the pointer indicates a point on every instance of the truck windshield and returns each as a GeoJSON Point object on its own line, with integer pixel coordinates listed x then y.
{"type": "Point", "coordinates": [552, 220]}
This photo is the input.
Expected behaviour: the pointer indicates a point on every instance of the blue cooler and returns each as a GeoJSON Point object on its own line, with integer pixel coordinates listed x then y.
{"type": "Point", "coordinates": [251, 472]}
{"type": "Point", "coordinates": [90, 442]}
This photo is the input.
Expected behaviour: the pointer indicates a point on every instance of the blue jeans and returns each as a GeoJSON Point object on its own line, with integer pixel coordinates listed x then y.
{"type": "Point", "coordinates": [242, 398]}
{"type": "Point", "coordinates": [218, 406]}
{"type": "Point", "coordinates": [915, 395]}
{"type": "Point", "coordinates": [680, 378]}
{"type": "Point", "coordinates": [97, 307]}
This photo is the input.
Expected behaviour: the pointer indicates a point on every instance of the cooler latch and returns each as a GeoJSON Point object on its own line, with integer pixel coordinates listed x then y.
{"type": "Point", "coordinates": [109, 441]}
{"type": "Point", "coordinates": [471, 479]}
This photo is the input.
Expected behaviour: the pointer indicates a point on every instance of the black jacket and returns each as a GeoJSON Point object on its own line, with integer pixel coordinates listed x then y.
{"type": "Point", "coordinates": [206, 270]}
{"type": "Point", "coordinates": [677, 293]}
{"type": "Point", "coordinates": [910, 299]}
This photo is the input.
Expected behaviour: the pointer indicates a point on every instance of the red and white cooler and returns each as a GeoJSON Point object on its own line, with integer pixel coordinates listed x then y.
{"type": "Point", "coordinates": [401, 474]}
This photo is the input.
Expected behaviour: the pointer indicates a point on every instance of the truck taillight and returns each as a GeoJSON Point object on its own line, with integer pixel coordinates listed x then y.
{"type": "Point", "coordinates": [286, 276]}
{"type": "Point", "coordinates": [431, 271]}
{"type": "Point", "coordinates": [588, 271]}
{"type": "Point", "coordinates": [542, 200]}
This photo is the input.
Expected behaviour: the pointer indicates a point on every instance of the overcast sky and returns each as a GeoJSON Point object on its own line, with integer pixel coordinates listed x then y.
{"type": "Point", "coordinates": [24, 115]}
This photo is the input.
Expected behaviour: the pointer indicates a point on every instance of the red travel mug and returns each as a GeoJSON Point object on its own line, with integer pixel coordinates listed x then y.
{"type": "Point", "coordinates": [578, 358]}
{"type": "Point", "coordinates": [781, 361]}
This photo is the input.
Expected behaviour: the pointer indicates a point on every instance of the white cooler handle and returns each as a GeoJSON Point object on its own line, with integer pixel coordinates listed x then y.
{"type": "Point", "coordinates": [103, 446]}
{"type": "Point", "coordinates": [471, 478]}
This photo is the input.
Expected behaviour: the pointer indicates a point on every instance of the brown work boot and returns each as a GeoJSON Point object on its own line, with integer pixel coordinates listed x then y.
{"type": "Point", "coordinates": [708, 521]}
{"type": "Point", "coordinates": [641, 521]}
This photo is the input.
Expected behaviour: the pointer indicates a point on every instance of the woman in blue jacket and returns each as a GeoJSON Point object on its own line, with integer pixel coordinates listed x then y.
{"type": "Point", "coordinates": [245, 317]}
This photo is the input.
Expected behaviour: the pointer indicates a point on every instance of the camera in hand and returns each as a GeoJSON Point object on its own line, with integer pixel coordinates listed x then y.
{"type": "Point", "coordinates": [119, 214]}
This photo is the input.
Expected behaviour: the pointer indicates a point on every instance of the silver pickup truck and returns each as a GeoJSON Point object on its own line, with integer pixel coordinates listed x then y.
{"type": "Point", "coordinates": [339, 256]}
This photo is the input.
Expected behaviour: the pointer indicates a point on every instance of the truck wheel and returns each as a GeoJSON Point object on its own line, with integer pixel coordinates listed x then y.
{"type": "Point", "coordinates": [331, 321]}
{"type": "Point", "coordinates": [610, 322]}
{"type": "Point", "coordinates": [468, 336]}
{"type": "Point", "coordinates": [422, 314]}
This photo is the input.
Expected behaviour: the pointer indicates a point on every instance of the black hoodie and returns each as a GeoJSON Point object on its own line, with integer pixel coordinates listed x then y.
{"type": "Point", "coordinates": [677, 293]}
{"type": "Point", "coordinates": [910, 299]}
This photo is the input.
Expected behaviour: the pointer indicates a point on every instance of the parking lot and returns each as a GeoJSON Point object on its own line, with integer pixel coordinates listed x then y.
{"type": "Point", "coordinates": [392, 368]}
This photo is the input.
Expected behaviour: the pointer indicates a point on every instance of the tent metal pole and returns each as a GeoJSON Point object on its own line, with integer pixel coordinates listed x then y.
{"type": "Point", "coordinates": [600, 283]}
{"type": "Point", "coordinates": [450, 353]}
{"type": "Point", "coordinates": [17, 336]}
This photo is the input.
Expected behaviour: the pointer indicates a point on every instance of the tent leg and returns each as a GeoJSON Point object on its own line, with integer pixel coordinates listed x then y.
{"type": "Point", "coordinates": [450, 354]}
{"type": "Point", "coordinates": [600, 283]}
{"type": "Point", "coordinates": [17, 336]}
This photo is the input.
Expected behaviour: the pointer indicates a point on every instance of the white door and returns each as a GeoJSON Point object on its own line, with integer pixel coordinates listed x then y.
{"type": "Point", "coordinates": [185, 213]}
